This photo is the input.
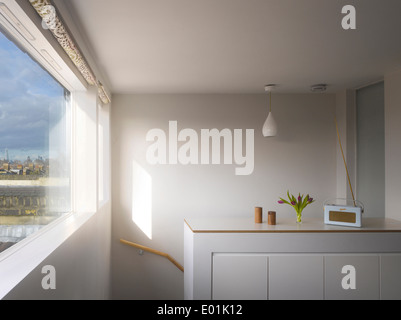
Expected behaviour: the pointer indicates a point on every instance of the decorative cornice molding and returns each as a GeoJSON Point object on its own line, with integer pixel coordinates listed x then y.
{"type": "Point", "coordinates": [104, 97]}
{"type": "Point", "coordinates": [51, 21]}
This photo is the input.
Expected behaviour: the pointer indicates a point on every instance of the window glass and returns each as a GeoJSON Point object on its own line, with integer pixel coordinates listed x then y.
{"type": "Point", "coordinates": [34, 146]}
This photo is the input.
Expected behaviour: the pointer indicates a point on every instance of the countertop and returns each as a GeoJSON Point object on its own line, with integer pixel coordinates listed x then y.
{"type": "Point", "coordinates": [247, 225]}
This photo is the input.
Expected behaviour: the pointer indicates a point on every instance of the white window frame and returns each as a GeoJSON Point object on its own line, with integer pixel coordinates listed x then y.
{"type": "Point", "coordinates": [19, 260]}
{"type": "Point", "coordinates": [104, 151]}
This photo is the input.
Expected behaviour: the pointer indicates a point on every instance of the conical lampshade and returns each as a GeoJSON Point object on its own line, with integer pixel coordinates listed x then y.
{"type": "Point", "coordinates": [270, 126]}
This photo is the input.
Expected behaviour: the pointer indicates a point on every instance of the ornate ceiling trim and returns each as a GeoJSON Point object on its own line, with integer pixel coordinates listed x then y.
{"type": "Point", "coordinates": [51, 21]}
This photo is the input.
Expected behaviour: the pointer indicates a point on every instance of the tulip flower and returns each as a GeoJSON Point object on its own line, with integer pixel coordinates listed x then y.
{"type": "Point", "coordinates": [298, 204]}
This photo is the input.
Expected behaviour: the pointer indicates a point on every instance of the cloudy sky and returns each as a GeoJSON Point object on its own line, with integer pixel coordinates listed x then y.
{"type": "Point", "coordinates": [31, 103]}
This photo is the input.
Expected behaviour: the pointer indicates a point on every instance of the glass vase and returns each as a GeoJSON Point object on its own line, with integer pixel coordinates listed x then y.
{"type": "Point", "coordinates": [299, 217]}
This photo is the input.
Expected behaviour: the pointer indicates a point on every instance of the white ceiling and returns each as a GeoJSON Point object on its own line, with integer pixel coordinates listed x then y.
{"type": "Point", "coordinates": [238, 46]}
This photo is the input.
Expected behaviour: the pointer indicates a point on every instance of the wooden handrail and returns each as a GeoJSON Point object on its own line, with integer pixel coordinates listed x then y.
{"type": "Point", "coordinates": [159, 253]}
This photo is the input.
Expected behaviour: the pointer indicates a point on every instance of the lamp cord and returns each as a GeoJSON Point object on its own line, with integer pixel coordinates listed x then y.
{"type": "Point", "coordinates": [270, 101]}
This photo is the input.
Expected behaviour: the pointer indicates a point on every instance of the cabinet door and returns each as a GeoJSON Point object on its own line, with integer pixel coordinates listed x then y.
{"type": "Point", "coordinates": [352, 277]}
{"type": "Point", "coordinates": [296, 277]}
{"type": "Point", "coordinates": [390, 276]}
{"type": "Point", "coordinates": [239, 277]}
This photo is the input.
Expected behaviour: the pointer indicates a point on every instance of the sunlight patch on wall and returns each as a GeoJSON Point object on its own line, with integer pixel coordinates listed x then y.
{"type": "Point", "coordinates": [142, 199]}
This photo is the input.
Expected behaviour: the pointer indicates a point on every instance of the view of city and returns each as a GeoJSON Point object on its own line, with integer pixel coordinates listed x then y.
{"type": "Point", "coordinates": [29, 198]}
{"type": "Point", "coordinates": [34, 149]}
{"type": "Point", "coordinates": [29, 167]}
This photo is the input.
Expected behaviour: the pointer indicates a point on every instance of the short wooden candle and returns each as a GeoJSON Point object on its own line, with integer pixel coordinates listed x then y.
{"type": "Point", "coordinates": [271, 218]}
{"type": "Point", "coordinates": [258, 215]}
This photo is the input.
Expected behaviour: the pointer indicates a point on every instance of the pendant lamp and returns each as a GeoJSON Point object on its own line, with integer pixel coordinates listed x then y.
{"type": "Point", "coordinates": [270, 126]}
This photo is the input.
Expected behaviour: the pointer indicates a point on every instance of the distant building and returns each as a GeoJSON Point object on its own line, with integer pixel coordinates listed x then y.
{"type": "Point", "coordinates": [37, 167]}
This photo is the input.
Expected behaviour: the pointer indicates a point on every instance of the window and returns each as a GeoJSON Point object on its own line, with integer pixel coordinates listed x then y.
{"type": "Point", "coordinates": [35, 146]}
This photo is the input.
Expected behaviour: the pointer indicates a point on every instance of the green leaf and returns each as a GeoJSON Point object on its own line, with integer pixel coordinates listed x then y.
{"type": "Point", "coordinates": [285, 201]}
{"type": "Point", "coordinates": [305, 202]}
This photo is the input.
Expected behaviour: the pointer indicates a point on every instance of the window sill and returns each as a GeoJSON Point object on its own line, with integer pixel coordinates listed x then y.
{"type": "Point", "coordinates": [19, 260]}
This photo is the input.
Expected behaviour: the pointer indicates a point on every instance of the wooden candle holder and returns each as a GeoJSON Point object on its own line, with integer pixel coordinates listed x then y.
{"type": "Point", "coordinates": [271, 218]}
{"type": "Point", "coordinates": [258, 215]}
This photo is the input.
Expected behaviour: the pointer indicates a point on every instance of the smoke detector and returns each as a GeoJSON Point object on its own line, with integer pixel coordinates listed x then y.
{"type": "Point", "coordinates": [319, 88]}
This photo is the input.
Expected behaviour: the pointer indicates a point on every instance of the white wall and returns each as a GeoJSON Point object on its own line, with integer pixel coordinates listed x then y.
{"type": "Point", "coordinates": [341, 116]}
{"type": "Point", "coordinates": [346, 117]}
{"type": "Point", "coordinates": [302, 159]}
{"type": "Point", "coordinates": [392, 96]}
{"type": "Point", "coordinates": [370, 187]}
{"type": "Point", "coordinates": [82, 265]}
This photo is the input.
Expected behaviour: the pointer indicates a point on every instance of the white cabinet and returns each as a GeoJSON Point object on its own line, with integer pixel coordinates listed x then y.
{"type": "Point", "coordinates": [305, 277]}
{"type": "Point", "coordinates": [390, 276]}
{"type": "Point", "coordinates": [237, 259]}
{"type": "Point", "coordinates": [296, 277]}
{"type": "Point", "coordinates": [351, 277]}
{"type": "Point", "coordinates": [239, 277]}
{"type": "Point", "coordinates": [261, 277]}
